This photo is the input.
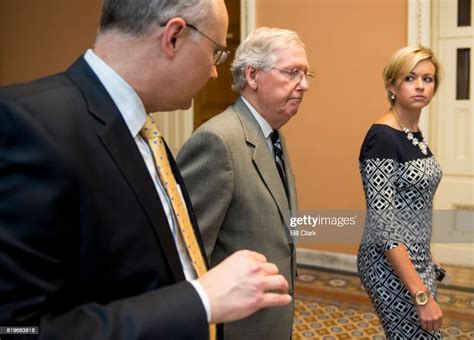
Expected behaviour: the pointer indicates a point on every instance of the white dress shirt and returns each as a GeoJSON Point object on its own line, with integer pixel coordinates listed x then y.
{"type": "Point", "coordinates": [133, 112]}
{"type": "Point", "coordinates": [266, 128]}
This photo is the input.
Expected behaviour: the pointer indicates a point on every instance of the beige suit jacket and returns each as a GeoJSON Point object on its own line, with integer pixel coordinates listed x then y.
{"type": "Point", "coordinates": [240, 203]}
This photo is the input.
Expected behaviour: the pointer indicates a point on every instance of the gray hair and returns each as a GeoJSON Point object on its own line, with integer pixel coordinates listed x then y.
{"type": "Point", "coordinates": [139, 17]}
{"type": "Point", "coordinates": [258, 51]}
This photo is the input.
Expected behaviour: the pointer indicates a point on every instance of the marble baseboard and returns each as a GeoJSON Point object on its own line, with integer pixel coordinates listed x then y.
{"type": "Point", "coordinates": [460, 276]}
{"type": "Point", "coordinates": [325, 259]}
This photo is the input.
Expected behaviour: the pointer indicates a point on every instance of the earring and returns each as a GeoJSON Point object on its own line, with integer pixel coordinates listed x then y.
{"type": "Point", "coordinates": [392, 96]}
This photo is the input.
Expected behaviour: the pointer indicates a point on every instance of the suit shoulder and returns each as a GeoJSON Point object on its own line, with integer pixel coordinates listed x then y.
{"type": "Point", "coordinates": [220, 134]}
{"type": "Point", "coordinates": [41, 86]}
{"type": "Point", "coordinates": [48, 100]}
{"type": "Point", "coordinates": [225, 124]}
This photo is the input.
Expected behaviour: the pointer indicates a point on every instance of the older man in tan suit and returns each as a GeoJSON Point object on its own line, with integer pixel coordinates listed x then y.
{"type": "Point", "coordinates": [238, 173]}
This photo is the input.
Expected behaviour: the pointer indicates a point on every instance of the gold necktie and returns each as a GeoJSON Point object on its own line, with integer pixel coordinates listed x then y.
{"type": "Point", "coordinates": [154, 138]}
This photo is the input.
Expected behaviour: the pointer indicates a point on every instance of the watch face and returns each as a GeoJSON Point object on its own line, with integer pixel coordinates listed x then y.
{"type": "Point", "coordinates": [421, 298]}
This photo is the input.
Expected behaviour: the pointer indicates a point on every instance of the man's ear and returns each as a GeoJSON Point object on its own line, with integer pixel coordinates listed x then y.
{"type": "Point", "coordinates": [251, 76]}
{"type": "Point", "coordinates": [173, 30]}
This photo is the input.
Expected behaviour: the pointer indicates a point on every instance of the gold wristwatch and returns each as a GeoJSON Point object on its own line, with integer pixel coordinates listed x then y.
{"type": "Point", "coordinates": [421, 298]}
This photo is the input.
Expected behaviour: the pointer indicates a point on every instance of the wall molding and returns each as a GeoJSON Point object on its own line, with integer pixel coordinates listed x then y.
{"type": "Point", "coordinates": [419, 33]}
{"type": "Point", "coordinates": [248, 17]}
{"type": "Point", "coordinates": [419, 22]}
{"type": "Point", "coordinates": [176, 127]}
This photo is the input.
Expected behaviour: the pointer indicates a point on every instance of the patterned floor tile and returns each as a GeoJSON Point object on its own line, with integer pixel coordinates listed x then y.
{"type": "Point", "coordinates": [332, 306]}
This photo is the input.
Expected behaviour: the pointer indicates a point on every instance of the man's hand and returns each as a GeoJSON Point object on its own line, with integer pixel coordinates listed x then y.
{"type": "Point", "coordinates": [242, 284]}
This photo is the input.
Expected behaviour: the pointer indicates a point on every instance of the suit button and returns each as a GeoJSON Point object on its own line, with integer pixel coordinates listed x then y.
{"type": "Point", "coordinates": [291, 292]}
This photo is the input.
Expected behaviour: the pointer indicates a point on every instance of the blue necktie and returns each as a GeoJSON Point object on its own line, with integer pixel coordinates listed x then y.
{"type": "Point", "coordinates": [277, 150]}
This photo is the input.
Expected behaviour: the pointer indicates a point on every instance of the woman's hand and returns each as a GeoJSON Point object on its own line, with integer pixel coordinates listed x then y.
{"type": "Point", "coordinates": [430, 315]}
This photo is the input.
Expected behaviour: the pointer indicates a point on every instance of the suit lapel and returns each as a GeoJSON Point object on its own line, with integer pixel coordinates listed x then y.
{"type": "Point", "coordinates": [121, 146]}
{"type": "Point", "coordinates": [263, 158]}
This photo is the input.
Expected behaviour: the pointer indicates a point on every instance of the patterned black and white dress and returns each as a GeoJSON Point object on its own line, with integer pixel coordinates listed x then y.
{"type": "Point", "coordinates": [399, 184]}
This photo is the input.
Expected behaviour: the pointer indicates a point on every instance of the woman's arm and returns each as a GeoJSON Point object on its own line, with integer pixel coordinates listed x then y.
{"type": "Point", "coordinates": [430, 313]}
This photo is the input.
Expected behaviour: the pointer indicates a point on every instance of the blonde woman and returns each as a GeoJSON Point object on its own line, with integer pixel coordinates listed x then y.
{"type": "Point", "coordinates": [400, 176]}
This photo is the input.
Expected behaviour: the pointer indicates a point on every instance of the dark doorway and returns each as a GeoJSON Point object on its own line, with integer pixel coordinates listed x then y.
{"type": "Point", "coordinates": [217, 94]}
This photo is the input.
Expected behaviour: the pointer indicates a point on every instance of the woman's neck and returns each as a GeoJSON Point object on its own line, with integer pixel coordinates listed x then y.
{"type": "Point", "coordinates": [406, 119]}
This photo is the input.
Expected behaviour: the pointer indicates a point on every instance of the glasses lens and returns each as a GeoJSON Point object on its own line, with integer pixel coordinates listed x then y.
{"type": "Point", "coordinates": [309, 75]}
{"type": "Point", "coordinates": [217, 57]}
{"type": "Point", "coordinates": [220, 57]}
{"type": "Point", "coordinates": [297, 74]}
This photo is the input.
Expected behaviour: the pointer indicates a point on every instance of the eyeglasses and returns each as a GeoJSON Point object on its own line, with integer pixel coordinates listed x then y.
{"type": "Point", "coordinates": [221, 54]}
{"type": "Point", "coordinates": [296, 74]}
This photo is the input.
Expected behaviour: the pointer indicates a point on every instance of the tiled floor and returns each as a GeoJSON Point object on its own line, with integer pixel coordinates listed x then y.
{"type": "Point", "coordinates": [332, 306]}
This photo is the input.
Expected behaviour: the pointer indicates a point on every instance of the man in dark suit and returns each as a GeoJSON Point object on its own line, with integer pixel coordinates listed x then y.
{"type": "Point", "coordinates": [241, 199]}
{"type": "Point", "coordinates": [89, 247]}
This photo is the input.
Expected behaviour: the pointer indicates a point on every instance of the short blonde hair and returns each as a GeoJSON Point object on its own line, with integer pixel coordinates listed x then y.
{"type": "Point", "coordinates": [403, 61]}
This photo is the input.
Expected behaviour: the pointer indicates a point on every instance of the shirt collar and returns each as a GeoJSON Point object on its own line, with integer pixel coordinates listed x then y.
{"type": "Point", "coordinates": [266, 128]}
{"type": "Point", "coordinates": [124, 96]}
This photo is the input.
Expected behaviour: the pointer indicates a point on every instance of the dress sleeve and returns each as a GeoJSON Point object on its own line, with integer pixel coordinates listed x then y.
{"type": "Point", "coordinates": [379, 167]}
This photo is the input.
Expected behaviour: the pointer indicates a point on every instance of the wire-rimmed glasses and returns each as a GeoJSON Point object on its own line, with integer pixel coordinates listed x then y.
{"type": "Point", "coordinates": [221, 54]}
{"type": "Point", "coordinates": [295, 74]}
